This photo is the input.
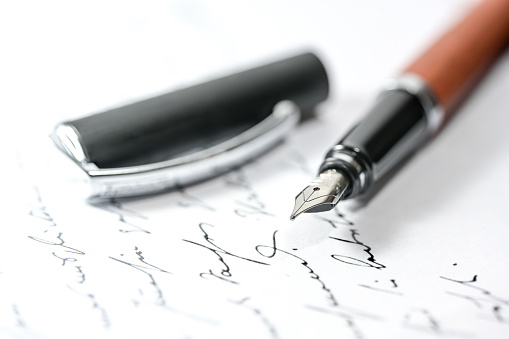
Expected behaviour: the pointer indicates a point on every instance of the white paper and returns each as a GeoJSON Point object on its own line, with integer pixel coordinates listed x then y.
{"type": "Point", "coordinates": [425, 256]}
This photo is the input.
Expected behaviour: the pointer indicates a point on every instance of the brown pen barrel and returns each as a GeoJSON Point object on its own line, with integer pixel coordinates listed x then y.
{"type": "Point", "coordinates": [454, 63]}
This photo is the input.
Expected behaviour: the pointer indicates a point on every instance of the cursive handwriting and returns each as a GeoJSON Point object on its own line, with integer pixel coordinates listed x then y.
{"type": "Point", "coordinates": [40, 211]}
{"type": "Point", "coordinates": [384, 290]}
{"type": "Point", "coordinates": [145, 267]}
{"type": "Point", "coordinates": [19, 319]}
{"type": "Point", "coordinates": [273, 249]}
{"type": "Point", "coordinates": [148, 270]}
{"type": "Point", "coordinates": [62, 249]}
{"type": "Point", "coordinates": [225, 272]}
{"type": "Point", "coordinates": [339, 220]}
{"type": "Point", "coordinates": [298, 160]}
{"type": "Point", "coordinates": [347, 317]}
{"type": "Point", "coordinates": [258, 312]}
{"type": "Point", "coordinates": [159, 299]}
{"type": "Point", "coordinates": [370, 261]}
{"type": "Point", "coordinates": [421, 319]}
{"type": "Point", "coordinates": [124, 215]}
{"type": "Point", "coordinates": [471, 284]}
{"type": "Point", "coordinates": [251, 205]}
{"type": "Point", "coordinates": [192, 201]}
{"type": "Point", "coordinates": [96, 306]}
{"type": "Point", "coordinates": [59, 242]}
{"type": "Point", "coordinates": [493, 302]}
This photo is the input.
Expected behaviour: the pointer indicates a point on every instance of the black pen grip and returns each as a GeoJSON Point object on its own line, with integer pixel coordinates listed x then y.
{"type": "Point", "coordinates": [169, 121]}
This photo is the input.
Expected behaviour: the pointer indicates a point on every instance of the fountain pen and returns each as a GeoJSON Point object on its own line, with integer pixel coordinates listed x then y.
{"type": "Point", "coordinates": [410, 109]}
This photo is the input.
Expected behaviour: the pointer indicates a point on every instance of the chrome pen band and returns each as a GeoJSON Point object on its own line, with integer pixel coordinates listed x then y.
{"type": "Point", "coordinates": [405, 114]}
{"type": "Point", "coordinates": [356, 167]}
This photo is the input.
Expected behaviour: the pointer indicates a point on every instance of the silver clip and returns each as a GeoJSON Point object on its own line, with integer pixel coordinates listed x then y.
{"type": "Point", "coordinates": [161, 176]}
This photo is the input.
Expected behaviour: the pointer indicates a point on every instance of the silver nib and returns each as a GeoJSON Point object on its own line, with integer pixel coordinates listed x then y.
{"type": "Point", "coordinates": [322, 194]}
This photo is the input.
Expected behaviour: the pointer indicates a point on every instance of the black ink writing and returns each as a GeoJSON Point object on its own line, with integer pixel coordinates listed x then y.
{"type": "Point", "coordinates": [192, 201]}
{"type": "Point", "coordinates": [252, 205]}
{"type": "Point", "coordinates": [486, 298]}
{"type": "Point", "coordinates": [225, 272]}
{"type": "Point", "coordinates": [421, 319]}
{"type": "Point", "coordinates": [58, 242]}
{"type": "Point", "coordinates": [370, 261]}
{"type": "Point", "coordinates": [273, 249]}
{"type": "Point", "coordinates": [258, 312]}
{"type": "Point", "coordinates": [147, 269]}
{"type": "Point", "coordinates": [97, 306]}
{"type": "Point", "coordinates": [40, 211]}
{"type": "Point", "coordinates": [483, 291]}
{"type": "Point", "coordinates": [125, 216]}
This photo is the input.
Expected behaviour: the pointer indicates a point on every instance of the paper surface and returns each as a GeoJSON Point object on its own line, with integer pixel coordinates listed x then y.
{"type": "Point", "coordinates": [425, 256]}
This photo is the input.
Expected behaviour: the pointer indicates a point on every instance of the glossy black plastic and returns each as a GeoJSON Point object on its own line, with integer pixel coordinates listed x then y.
{"type": "Point", "coordinates": [182, 121]}
{"type": "Point", "coordinates": [395, 115]}
{"type": "Point", "coordinates": [388, 133]}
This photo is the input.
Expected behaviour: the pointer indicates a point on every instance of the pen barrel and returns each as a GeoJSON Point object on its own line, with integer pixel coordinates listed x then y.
{"type": "Point", "coordinates": [454, 63]}
{"type": "Point", "coordinates": [392, 129]}
{"type": "Point", "coordinates": [186, 119]}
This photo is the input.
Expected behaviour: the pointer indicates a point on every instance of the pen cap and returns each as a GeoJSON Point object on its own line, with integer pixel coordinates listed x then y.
{"type": "Point", "coordinates": [195, 115]}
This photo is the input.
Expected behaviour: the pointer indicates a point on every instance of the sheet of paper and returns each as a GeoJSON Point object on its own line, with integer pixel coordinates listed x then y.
{"type": "Point", "coordinates": [424, 256]}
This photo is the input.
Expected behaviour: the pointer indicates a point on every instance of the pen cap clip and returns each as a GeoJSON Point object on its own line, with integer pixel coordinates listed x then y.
{"type": "Point", "coordinates": [189, 125]}
{"type": "Point", "coordinates": [160, 176]}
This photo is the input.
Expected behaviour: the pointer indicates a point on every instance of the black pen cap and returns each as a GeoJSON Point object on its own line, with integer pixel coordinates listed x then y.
{"type": "Point", "coordinates": [187, 119]}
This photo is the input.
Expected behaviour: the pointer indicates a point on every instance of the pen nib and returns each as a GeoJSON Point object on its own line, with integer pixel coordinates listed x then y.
{"type": "Point", "coordinates": [322, 194]}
